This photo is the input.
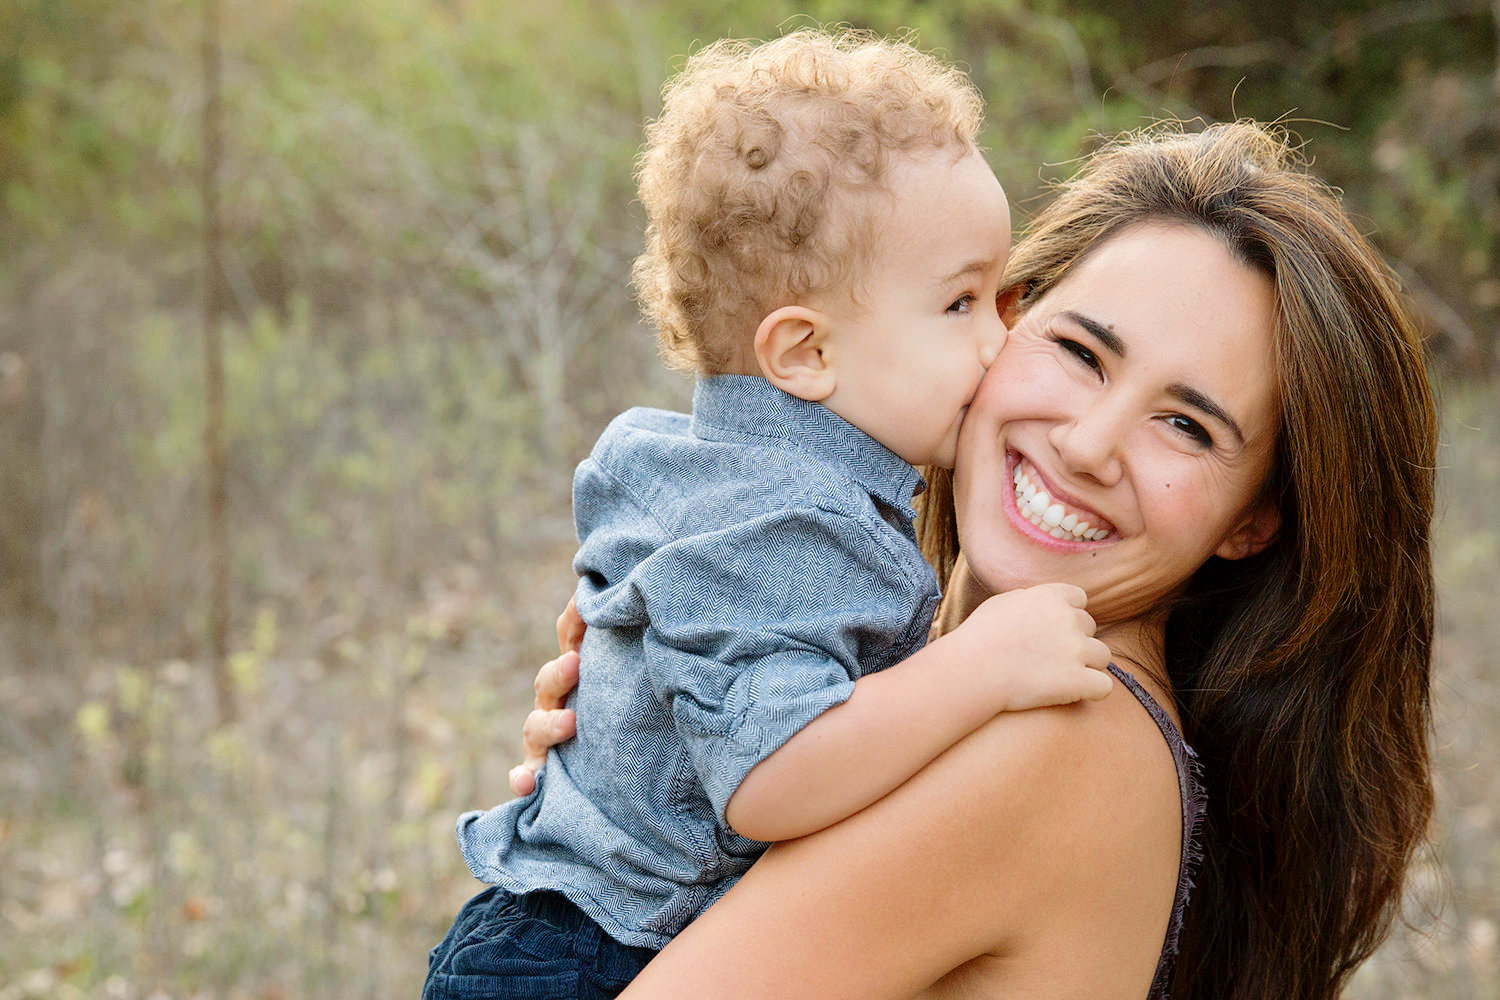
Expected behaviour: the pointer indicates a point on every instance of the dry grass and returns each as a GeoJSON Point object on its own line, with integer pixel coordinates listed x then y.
{"type": "Point", "coordinates": [307, 851]}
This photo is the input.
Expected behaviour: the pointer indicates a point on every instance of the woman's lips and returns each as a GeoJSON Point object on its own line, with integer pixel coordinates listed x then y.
{"type": "Point", "coordinates": [1048, 516]}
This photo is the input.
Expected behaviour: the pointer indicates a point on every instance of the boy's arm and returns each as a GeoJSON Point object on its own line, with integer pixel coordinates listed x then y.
{"type": "Point", "coordinates": [756, 629]}
{"type": "Point", "coordinates": [755, 635]}
{"type": "Point", "coordinates": [895, 722]}
{"type": "Point", "coordinates": [1020, 650]}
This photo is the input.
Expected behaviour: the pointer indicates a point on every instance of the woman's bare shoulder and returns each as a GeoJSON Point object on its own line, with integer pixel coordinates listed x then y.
{"type": "Point", "coordinates": [1041, 848]}
{"type": "Point", "coordinates": [1081, 809]}
{"type": "Point", "coordinates": [1101, 771]}
{"type": "Point", "coordinates": [1110, 752]}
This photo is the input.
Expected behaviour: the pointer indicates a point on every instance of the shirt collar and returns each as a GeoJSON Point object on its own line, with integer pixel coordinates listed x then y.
{"type": "Point", "coordinates": [750, 405]}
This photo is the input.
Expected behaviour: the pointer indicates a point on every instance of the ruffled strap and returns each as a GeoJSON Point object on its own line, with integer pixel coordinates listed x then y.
{"type": "Point", "coordinates": [1194, 805]}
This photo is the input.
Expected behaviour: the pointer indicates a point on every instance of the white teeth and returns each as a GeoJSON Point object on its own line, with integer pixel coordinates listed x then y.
{"type": "Point", "coordinates": [1036, 506]}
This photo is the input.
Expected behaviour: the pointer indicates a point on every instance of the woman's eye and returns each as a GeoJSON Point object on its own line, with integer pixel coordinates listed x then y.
{"type": "Point", "coordinates": [963, 305]}
{"type": "Point", "coordinates": [1190, 428]}
{"type": "Point", "coordinates": [1080, 352]}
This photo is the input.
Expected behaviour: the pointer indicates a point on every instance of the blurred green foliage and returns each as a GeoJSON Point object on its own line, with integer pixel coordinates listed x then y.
{"type": "Point", "coordinates": [429, 220]}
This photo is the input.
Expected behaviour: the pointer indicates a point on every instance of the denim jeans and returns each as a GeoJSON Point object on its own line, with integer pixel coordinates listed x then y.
{"type": "Point", "coordinates": [533, 947]}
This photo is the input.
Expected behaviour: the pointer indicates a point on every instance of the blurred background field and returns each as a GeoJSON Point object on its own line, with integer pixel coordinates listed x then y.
{"type": "Point", "coordinates": [427, 221]}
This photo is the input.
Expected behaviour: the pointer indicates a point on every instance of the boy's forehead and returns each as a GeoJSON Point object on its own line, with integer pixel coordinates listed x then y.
{"type": "Point", "coordinates": [944, 209]}
{"type": "Point", "coordinates": [940, 218]}
{"type": "Point", "coordinates": [917, 184]}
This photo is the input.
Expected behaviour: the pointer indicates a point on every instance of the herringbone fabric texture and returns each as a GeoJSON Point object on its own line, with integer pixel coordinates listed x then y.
{"type": "Point", "coordinates": [739, 570]}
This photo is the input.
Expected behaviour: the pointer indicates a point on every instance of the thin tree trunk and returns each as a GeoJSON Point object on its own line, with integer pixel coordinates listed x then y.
{"type": "Point", "coordinates": [213, 355]}
{"type": "Point", "coordinates": [23, 480]}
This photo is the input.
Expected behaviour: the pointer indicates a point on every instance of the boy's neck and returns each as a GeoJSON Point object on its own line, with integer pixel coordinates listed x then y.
{"type": "Point", "coordinates": [743, 363]}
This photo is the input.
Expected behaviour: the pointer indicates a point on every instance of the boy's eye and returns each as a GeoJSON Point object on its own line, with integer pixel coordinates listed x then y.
{"type": "Point", "coordinates": [963, 305]}
{"type": "Point", "coordinates": [1190, 428]}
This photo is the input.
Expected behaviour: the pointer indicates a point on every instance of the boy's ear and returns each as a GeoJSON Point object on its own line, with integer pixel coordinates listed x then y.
{"type": "Point", "coordinates": [1253, 534]}
{"type": "Point", "coordinates": [1009, 304]}
{"type": "Point", "coordinates": [791, 346]}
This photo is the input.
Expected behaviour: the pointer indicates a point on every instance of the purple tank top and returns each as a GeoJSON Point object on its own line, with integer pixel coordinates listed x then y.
{"type": "Point", "coordinates": [1190, 787]}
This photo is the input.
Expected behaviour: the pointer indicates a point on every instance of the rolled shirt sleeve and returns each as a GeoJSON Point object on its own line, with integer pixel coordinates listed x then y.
{"type": "Point", "coordinates": [757, 629]}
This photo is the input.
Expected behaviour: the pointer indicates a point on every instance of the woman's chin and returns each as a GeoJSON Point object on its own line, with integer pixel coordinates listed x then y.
{"type": "Point", "coordinates": [1005, 551]}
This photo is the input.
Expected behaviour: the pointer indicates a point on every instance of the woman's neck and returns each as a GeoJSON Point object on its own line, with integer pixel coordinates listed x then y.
{"type": "Point", "coordinates": [1138, 645]}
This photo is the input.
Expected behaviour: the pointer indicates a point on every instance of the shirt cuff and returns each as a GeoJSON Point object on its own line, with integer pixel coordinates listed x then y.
{"type": "Point", "coordinates": [759, 734]}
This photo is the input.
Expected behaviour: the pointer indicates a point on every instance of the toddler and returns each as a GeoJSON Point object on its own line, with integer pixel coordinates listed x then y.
{"type": "Point", "coordinates": [824, 251]}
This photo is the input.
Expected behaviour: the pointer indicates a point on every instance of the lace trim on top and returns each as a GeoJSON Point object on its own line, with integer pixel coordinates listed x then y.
{"type": "Point", "coordinates": [1194, 804]}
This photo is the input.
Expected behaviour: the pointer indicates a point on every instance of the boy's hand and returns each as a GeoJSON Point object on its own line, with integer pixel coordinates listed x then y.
{"type": "Point", "coordinates": [1036, 647]}
{"type": "Point", "coordinates": [549, 722]}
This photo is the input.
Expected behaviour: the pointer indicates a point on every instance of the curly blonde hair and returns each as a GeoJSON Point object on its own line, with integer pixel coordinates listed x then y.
{"type": "Point", "coordinates": [752, 174]}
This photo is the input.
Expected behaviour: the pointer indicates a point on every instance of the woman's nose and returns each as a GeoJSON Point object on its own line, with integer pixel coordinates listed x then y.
{"type": "Point", "coordinates": [1089, 443]}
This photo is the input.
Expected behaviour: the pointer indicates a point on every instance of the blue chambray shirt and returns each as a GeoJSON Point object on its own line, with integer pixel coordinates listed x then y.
{"type": "Point", "coordinates": [739, 569]}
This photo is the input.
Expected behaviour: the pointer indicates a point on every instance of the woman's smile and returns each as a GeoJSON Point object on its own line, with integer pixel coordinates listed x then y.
{"type": "Point", "coordinates": [1053, 518]}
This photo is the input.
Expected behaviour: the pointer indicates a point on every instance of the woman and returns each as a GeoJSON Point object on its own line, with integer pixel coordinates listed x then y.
{"type": "Point", "coordinates": [1208, 358]}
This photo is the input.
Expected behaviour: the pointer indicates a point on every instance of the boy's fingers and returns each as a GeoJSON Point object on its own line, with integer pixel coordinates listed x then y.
{"type": "Point", "coordinates": [564, 724]}
{"type": "Point", "coordinates": [544, 728]}
{"type": "Point", "coordinates": [555, 680]}
{"type": "Point", "coordinates": [534, 732]}
{"type": "Point", "coordinates": [549, 722]}
{"type": "Point", "coordinates": [1074, 595]}
{"type": "Point", "coordinates": [1098, 685]}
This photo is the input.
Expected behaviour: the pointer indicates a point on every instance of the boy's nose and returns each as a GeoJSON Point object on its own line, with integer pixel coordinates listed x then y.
{"type": "Point", "coordinates": [992, 341]}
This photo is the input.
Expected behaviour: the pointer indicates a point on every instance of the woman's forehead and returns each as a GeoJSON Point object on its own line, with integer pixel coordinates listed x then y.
{"type": "Point", "coordinates": [1173, 302]}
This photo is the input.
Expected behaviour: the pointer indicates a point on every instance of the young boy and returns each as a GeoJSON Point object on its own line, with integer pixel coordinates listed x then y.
{"type": "Point", "coordinates": [824, 251]}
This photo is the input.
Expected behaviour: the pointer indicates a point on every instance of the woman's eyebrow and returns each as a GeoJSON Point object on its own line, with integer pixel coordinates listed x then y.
{"type": "Point", "coordinates": [1192, 397]}
{"type": "Point", "coordinates": [1102, 333]}
{"type": "Point", "coordinates": [1184, 393]}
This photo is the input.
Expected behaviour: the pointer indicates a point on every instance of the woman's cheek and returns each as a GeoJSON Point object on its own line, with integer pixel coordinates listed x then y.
{"type": "Point", "coordinates": [1188, 504]}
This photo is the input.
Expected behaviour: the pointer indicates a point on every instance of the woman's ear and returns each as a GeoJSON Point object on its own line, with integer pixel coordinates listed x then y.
{"type": "Point", "coordinates": [791, 346]}
{"type": "Point", "coordinates": [1009, 304]}
{"type": "Point", "coordinates": [1253, 534]}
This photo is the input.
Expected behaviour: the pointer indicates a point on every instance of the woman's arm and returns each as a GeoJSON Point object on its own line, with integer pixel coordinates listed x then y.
{"type": "Point", "coordinates": [1039, 855]}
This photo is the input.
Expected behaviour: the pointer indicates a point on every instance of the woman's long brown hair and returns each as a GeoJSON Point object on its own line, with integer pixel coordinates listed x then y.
{"type": "Point", "coordinates": [1301, 673]}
